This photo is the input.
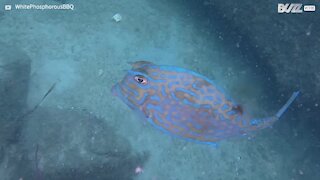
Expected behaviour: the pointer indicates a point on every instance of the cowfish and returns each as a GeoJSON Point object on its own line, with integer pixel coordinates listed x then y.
{"type": "Point", "coordinates": [188, 105]}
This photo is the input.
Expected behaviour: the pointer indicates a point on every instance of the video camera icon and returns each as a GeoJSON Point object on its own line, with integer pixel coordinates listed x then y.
{"type": "Point", "coordinates": [7, 7]}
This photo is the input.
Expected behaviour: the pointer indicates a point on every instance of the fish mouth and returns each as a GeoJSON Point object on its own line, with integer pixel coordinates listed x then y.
{"type": "Point", "coordinates": [114, 89]}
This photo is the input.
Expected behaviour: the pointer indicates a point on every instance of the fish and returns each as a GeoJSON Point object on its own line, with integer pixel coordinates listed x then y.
{"type": "Point", "coordinates": [186, 104]}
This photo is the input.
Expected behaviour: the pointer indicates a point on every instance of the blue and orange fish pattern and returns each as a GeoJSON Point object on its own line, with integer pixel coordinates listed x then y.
{"type": "Point", "coordinates": [183, 103]}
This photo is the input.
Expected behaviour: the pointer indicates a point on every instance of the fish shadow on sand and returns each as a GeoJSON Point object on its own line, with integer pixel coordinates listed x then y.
{"type": "Point", "coordinates": [75, 144]}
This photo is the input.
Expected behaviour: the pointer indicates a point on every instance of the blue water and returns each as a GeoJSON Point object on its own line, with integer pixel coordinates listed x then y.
{"type": "Point", "coordinates": [60, 120]}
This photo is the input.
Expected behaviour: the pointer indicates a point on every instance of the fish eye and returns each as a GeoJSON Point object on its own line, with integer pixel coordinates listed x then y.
{"type": "Point", "coordinates": [140, 79]}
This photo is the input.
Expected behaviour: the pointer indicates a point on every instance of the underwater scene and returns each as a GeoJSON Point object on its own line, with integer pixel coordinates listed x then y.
{"type": "Point", "coordinates": [159, 90]}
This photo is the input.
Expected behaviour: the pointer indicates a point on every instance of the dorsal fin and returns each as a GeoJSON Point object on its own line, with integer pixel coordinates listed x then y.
{"type": "Point", "coordinates": [138, 64]}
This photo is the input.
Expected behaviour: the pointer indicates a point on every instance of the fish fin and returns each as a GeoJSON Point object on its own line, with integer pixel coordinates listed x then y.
{"type": "Point", "coordinates": [262, 123]}
{"type": "Point", "coordinates": [267, 122]}
{"type": "Point", "coordinates": [212, 144]}
{"type": "Point", "coordinates": [287, 104]}
{"type": "Point", "coordinates": [138, 64]}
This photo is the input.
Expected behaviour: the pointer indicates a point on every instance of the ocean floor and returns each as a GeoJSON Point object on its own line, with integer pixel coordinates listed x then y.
{"type": "Point", "coordinates": [85, 52]}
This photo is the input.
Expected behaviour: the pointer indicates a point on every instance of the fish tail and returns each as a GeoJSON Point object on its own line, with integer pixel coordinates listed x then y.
{"type": "Point", "coordinates": [287, 104]}
{"type": "Point", "coordinates": [268, 121]}
{"type": "Point", "coordinates": [262, 123]}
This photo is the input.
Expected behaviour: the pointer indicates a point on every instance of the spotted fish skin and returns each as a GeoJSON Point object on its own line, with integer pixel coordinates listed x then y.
{"type": "Point", "coordinates": [186, 104]}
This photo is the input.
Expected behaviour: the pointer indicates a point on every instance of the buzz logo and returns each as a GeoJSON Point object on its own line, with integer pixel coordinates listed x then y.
{"type": "Point", "coordinates": [290, 8]}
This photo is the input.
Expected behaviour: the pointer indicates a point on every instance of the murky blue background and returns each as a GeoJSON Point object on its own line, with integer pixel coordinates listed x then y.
{"type": "Point", "coordinates": [81, 131]}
